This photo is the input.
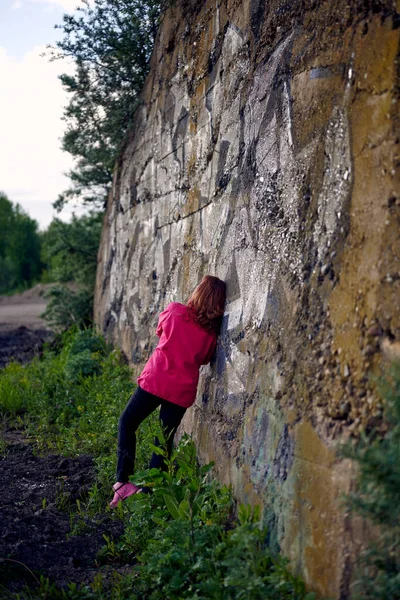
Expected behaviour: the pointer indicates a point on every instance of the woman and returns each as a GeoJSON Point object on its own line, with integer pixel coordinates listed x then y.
{"type": "Point", "coordinates": [188, 337]}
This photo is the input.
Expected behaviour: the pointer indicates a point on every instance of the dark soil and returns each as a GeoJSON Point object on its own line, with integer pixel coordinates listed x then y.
{"type": "Point", "coordinates": [37, 496]}
{"type": "Point", "coordinates": [23, 331]}
{"type": "Point", "coordinates": [22, 344]}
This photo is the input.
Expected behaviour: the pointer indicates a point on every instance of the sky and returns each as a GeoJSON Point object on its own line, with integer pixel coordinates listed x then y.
{"type": "Point", "coordinates": [32, 164]}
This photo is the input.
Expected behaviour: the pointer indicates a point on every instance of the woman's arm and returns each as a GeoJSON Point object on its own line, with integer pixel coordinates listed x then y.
{"type": "Point", "coordinates": [161, 320]}
{"type": "Point", "coordinates": [210, 352]}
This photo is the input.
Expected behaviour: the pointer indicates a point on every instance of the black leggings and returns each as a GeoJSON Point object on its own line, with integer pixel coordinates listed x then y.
{"type": "Point", "coordinates": [139, 407]}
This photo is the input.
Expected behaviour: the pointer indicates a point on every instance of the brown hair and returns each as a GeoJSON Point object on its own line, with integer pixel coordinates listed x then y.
{"type": "Point", "coordinates": [206, 304]}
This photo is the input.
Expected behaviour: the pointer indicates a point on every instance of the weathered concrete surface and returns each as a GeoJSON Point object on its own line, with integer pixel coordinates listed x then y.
{"type": "Point", "coordinates": [265, 153]}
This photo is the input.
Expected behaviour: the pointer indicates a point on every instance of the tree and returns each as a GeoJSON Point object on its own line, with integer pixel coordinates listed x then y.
{"type": "Point", "coordinates": [70, 249]}
{"type": "Point", "coordinates": [110, 43]}
{"type": "Point", "coordinates": [70, 252]}
{"type": "Point", "coordinates": [6, 219]}
{"type": "Point", "coordinates": [20, 262]}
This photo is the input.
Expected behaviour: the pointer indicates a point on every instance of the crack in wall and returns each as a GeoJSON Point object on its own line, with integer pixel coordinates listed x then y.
{"type": "Point", "coordinates": [183, 217]}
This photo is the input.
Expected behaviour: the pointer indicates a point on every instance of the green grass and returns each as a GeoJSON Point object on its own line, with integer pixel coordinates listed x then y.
{"type": "Point", "coordinates": [70, 401]}
{"type": "Point", "coordinates": [183, 540]}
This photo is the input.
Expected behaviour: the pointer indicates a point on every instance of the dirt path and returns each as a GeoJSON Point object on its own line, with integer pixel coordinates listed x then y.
{"type": "Point", "coordinates": [22, 330]}
{"type": "Point", "coordinates": [28, 315]}
{"type": "Point", "coordinates": [24, 309]}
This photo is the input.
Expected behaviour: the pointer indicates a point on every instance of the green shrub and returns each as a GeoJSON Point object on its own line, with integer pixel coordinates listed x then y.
{"type": "Point", "coordinates": [188, 544]}
{"type": "Point", "coordinates": [378, 499]}
{"type": "Point", "coordinates": [72, 401]}
{"type": "Point", "coordinates": [68, 308]}
{"type": "Point", "coordinates": [84, 364]}
{"type": "Point", "coordinates": [182, 538]}
{"type": "Point", "coordinates": [70, 254]}
{"type": "Point", "coordinates": [86, 339]}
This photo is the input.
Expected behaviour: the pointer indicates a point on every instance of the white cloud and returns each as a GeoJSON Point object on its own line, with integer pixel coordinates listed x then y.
{"type": "Point", "coordinates": [67, 5]}
{"type": "Point", "coordinates": [31, 106]}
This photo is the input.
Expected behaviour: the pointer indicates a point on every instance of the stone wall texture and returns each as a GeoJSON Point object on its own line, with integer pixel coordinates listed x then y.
{"type": "Point", "coordinates": [264, 152]}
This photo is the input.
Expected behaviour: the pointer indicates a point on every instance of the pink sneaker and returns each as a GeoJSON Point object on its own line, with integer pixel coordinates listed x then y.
{"type": "Point", "coordinates": [123, 491]}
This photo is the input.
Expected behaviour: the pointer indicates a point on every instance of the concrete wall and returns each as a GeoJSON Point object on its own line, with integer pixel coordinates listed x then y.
{"type": "Point", "coordinates": [264, 153]}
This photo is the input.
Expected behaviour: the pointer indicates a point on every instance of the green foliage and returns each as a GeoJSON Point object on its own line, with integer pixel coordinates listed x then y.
{"type": "Point", "coordinates": [182, 538]}
{"type": "Point", "coordinates": [68, 307]}
{"type": "Point", "coordinates": [47, 590]}
{"type": "Point", "coordinates": [72, 410]}
{"type": "Point", "coordinates": [69, 414]}
{"type": "Point", "coordinates": [81, 365]}
{"type": "Point", "coordinates": [189, 546]}
{"type": "Point", "coordinates": [70, 252]}
{"type": "Point", "coordinates": [8, 275]}
{"type": "Point", "coordinates": [70, 249]}
{"type": "Point", "coordinates": [20, 262]}
{"type": "Point", "coordinates": [87, 340]}
{"type": "Point", "coordinates": [378, 499]}
{"type": "Point", "coordinates": [13, 390]}
{"type": "Point", "coordinates": [110, 43]}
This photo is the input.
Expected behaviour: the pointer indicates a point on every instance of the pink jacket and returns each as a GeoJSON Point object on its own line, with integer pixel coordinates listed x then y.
{"type": "Point", "coordinates": [172, 371]}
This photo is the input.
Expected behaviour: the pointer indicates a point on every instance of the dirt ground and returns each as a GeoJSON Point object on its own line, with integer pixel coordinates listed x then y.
{"type": "Point", "coordinates": [22, 330]}
{"type": "Point", "coordinates": [24, 309]}
{"type": "Point", "coordinates": [36, 498]}
{"type": "Point", "coordinates": [38, 492]}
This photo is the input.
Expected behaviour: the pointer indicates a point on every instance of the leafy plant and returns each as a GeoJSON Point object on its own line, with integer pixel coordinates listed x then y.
{"type": "Point", "coordinates": [63, 498]}
{"type": "Point", "coordinates": [70, 253]}
{"type": "Point", "coordinates": [189, 545]}
{"type": "Point", "coordinates": [86, 339]}
{"type": "Point", "coordinates": [68, 307]}
{"type": "Point", "coordinates": [84, 364]}
{"type": "Point", "coordinates": [377, 498]}
{"type": "Point", "coordinates": [182, 538]}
